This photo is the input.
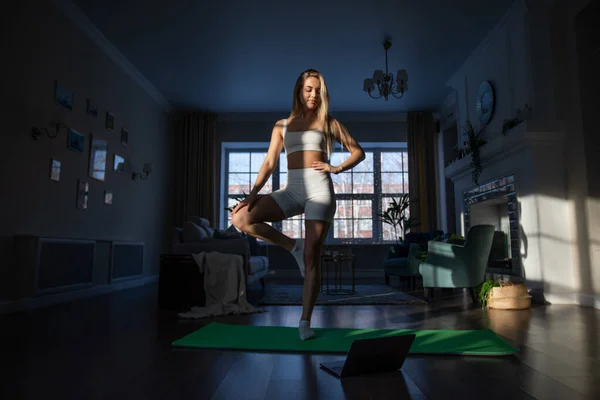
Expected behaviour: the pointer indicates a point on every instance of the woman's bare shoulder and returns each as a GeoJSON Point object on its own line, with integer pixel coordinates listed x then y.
{"type": "Point", "coordinates": [335, 126]}
{"type": "Point", "coordinates": [278, 127]}
{"type": "Point", "coordinates": [282, 122]}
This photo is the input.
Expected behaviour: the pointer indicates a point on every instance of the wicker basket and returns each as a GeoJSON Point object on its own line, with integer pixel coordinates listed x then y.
{"type": "Point", "coordinates": [509, 297]}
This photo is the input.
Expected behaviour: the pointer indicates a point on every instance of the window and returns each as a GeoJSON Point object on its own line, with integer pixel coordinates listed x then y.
{"type": "Point", "coordinates": [367, 190]}
{"type": "Point", "coordinates": [394, 182]}
{"type": "Point", "coordinates": [242, 169]}
{"type": "Point", "coordinates": [240, 173]}
{"type": "Point", "coordinates": [355, 192]}
{"type": "Point", "coordinates": [362, 193]}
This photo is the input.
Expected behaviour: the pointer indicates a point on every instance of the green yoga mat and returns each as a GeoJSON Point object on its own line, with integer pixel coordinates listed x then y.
{"type": "Point", "coordinates": [216, 335]}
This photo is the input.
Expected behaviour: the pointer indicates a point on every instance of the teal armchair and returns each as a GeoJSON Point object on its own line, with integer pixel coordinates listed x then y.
{"type": "Point", "coordinates": [404, 267]}
{"type": "Point", "coordinates": [454, 266]}
{"type": "Point", "coordinates": [404, 261]}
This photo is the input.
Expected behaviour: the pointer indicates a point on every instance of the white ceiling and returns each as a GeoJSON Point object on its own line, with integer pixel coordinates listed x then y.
{"type": "Point", "coordinates": [244, 56]}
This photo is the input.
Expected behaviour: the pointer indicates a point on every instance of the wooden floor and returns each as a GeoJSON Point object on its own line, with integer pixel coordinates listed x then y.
{"type": "Point", "coordinates": [117, 346]}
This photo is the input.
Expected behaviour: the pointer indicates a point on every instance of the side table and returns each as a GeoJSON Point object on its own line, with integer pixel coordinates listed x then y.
{"type": "Point", "coordinates": [180, 283]}
{"type": "Point", "coordinates": [338, 260]}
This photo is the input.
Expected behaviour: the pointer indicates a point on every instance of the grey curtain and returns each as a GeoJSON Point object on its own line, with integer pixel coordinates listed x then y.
{"type": "Point", "coordinates": [421, 170]}
{"type": "Point", "coordinates": [195, 167]}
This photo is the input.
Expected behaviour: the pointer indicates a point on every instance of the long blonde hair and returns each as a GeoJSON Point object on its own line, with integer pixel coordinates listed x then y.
{"type": "Point", "coordinates": [322, 113]}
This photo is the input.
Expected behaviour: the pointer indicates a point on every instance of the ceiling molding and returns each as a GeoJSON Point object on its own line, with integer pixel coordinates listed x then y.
{"type": "Point", "coordinates": [342, 116]}
{"type": "Point", "coordinates": [370, 116]}
{"type": "Point", "coordinates": [82, 21]}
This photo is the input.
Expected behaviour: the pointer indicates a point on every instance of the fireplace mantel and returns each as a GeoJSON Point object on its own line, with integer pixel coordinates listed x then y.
{"type": "Point", "coordinates": [533, 154]}
{"type": "Point", "coordinates": [527, 134]}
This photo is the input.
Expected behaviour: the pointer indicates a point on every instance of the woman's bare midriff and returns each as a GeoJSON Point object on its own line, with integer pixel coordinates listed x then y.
{"type": "Point", "coordinates": [304, 159]}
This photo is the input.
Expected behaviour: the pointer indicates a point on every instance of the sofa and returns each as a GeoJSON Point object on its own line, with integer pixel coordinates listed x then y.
{"type": "Point", "coordinates": [197, 235]}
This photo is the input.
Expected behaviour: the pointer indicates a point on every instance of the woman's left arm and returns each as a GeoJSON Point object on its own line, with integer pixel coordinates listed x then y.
{"type": "Point", "coordinates": [357, 154]}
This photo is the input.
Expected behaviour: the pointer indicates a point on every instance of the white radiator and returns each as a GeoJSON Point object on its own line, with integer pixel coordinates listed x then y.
{"type": "Point", "coordinates": [127, 260]}
{"type": "Point", "coordinates": [53, 265]}
{"type": "Point", "coordinates": [49, 265]}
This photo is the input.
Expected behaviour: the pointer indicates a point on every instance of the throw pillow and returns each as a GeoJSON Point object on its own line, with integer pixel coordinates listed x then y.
{"type": "Point", "coordinates": [192, 232]}
{"type": "Point", "coordinates": [204, 223]}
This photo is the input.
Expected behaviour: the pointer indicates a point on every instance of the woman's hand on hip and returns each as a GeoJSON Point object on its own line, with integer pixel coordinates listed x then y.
{"type": "Point", "coordinates": [248, 201]}
{"type": "Point", "coordinates": [324, 167]}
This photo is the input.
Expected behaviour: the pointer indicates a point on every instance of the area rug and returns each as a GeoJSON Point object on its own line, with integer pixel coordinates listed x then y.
{"type": "Point", "coordinates": [281, 294]}
{"type": "Point", "coordinates": [480, 342]}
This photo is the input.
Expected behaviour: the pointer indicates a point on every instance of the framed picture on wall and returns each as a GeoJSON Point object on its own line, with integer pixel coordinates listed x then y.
{"type": "Point", "coordinates": [75, 141]}
{"type": "Point", "coordinates": [98, 156]}
{"type": "Point", "coordinates": [124, 136]}
{"type": "Point", "coordinates": [92, 108]}
{"type": "Point", "coordinates": [108, 197]}
{"type": "Point", "coordinates": [82, 194]}
{"type": "Point", "coordinates": [63, 96]}
{"type": "Point", "coordinates": [55, 170]}
{"type": "Point", "coordinates": [110, 121]}
{"type": "Point", "coordinates": [118, 164]}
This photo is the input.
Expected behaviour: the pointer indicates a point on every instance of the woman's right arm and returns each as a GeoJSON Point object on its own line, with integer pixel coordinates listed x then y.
{"type": "Point", "coordinates": [270, 162]}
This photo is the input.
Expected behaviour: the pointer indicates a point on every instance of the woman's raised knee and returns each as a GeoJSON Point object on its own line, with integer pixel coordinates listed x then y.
{"type": "Point", "coordinates": [240, 220]}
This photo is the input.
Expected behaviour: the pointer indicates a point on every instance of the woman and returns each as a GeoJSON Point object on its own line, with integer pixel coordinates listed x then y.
{"type": "Point", "coordinates": [307, 137]}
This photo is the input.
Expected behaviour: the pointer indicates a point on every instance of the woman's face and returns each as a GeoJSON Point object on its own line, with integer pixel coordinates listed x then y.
{"type": "Point", "coordinates": [311, 93]}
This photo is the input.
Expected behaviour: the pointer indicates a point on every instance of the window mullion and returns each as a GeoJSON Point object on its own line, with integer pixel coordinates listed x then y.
{"type": "Point", "coordinates": [276, 182]}
{"type": "Point", "coordinates": [377, 231]}
{"type": "Point", "coordinates": [225, 220]}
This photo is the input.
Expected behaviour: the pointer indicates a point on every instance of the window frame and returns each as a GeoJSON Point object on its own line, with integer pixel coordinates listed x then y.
{"type": "Point", "coordinates": [376, 197]}
{"type": "Point", "coordinates": [226, 149]}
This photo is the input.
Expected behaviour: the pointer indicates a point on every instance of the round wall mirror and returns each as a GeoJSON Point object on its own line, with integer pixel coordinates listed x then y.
{"type": "Point", "coordinates": [485, 102]}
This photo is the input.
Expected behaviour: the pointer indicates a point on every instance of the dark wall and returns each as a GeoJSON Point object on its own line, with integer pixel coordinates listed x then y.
{"type": "Point", "coordinates": [40, 46]}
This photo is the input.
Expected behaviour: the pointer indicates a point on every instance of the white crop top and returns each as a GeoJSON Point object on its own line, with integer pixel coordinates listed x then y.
{"type": "Point", "coordinates": [301, 141]}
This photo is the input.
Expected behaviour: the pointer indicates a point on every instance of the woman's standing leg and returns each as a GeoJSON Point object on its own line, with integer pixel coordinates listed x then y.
{"type": "Point", "coordinates": [316, 233]}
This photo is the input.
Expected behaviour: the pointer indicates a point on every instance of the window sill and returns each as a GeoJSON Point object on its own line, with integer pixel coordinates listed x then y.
{"type": "Point", "coordinates": [265, 243]}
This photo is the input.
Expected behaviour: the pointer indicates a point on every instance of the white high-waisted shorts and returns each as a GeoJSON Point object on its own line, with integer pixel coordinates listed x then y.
{"type": "Point", "coordinates": [309, 191]}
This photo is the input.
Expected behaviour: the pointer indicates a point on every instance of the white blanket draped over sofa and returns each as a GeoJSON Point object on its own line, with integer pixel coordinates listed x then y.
{"type": "Point", "coordinates": [224, 285]}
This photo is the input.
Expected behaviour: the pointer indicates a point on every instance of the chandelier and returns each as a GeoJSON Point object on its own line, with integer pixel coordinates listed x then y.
{"type": "Point", "coordinates": [384, 81]}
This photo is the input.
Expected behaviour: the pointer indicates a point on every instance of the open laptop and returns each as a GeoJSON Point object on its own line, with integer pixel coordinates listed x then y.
{"type": "Point", "coordinates": [368, 356]}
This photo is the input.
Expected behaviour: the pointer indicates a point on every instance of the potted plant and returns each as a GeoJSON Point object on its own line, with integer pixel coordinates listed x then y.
{"type": "Point", "coordinates": [503, 294]}
{"type": "Point", "coordinates": [451, 238]}
{"type": "Point", "coordinates": [475, 142]}
{"type": "Point", "coordinates": [422, 256]}
{"type": "Point", "coordinates": [397, 215]}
